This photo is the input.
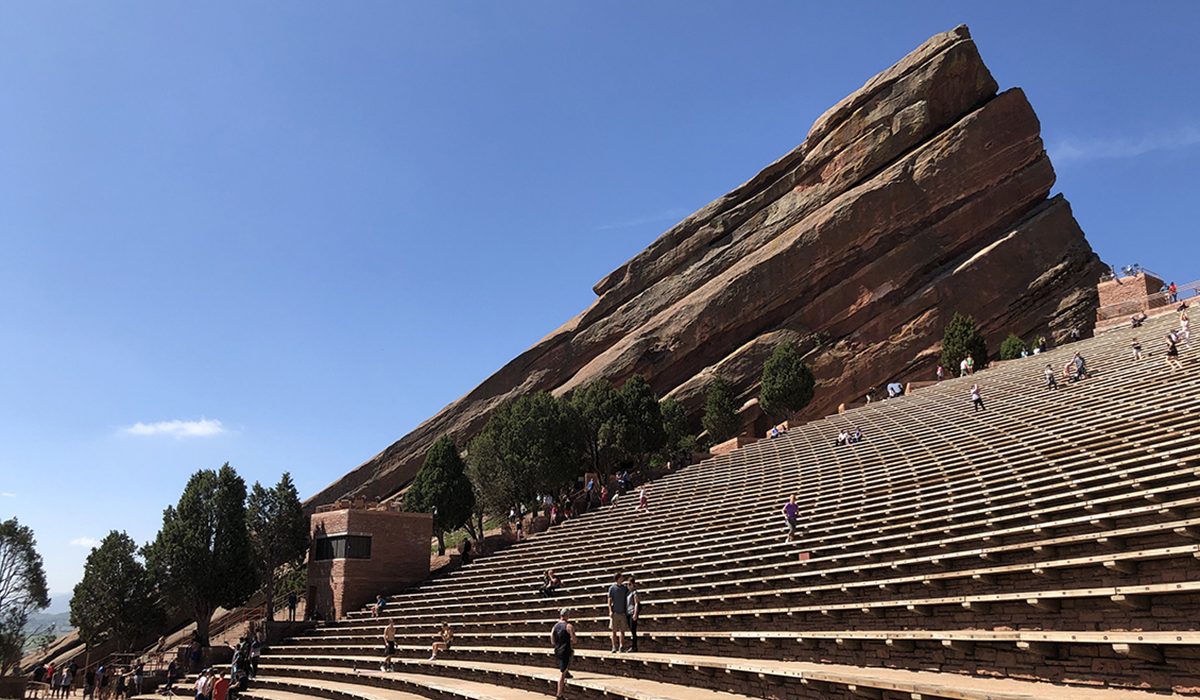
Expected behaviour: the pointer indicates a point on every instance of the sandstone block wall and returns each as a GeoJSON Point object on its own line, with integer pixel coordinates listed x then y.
{"type": "Point", "coordinates": [400, 545]}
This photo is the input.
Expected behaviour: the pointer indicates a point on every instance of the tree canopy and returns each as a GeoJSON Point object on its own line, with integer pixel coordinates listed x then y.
{"type": "Point", "coordinates": [278, 532]}
{"type": "Point", "coordinates": [115, 600]}
{"type": "Point", "coordinates": [720, 411]}
{"type": "Point", "coordinates": [677, 437]}
{"type": "Point", "coordinates": [960, 339]}
{"type": "Point", "coordinates": [787, 383]}
{"type": "Point", "coordinates": [1012, 347]}
{"type": "Point", "coordinates": [639, 423]}
{"type": "Point", "coordinates": [442, 487]}
{"type": "Point", "coordinates": [22, 589]}
{"type": "Point", "coordinates": [529, 445]}
{"type": "Point", "coordinates": [202, 556]}
{"type": "Point", "coordinates": [597, 407]}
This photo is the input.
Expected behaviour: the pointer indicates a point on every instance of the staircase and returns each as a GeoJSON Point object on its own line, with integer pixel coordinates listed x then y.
{"type": "Point", "coordinates": [1045, 547]}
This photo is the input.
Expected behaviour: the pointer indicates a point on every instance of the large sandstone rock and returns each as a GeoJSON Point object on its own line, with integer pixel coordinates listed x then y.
{"type": "Point", "coordinates": [921, 194]}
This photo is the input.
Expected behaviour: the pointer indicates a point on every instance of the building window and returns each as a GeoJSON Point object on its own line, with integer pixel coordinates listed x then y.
{"type": "Point", "coordinates": [343, 547]}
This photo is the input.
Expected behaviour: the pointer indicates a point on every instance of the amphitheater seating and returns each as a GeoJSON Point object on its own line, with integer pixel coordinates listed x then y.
{"type": "Point", "coordinates": [1046, 547]}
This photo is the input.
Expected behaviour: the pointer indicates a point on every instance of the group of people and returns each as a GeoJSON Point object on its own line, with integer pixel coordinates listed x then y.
{"type": "Point", "coordinates": [60, 679]}
{"type": "Point", "coordinates": [443, 638]}
{"type": "Point", "coordinates": [212, 684]}
{"type": "Point", "coordinates": [848, 437]}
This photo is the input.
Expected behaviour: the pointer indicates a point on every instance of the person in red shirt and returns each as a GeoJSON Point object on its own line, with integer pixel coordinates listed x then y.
{"type": "Point", "coordinates": [220, 690]}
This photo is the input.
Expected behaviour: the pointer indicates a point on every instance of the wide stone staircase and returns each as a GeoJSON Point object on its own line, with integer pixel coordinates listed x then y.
{"type": "Point", "coordinates": [1045, 547]}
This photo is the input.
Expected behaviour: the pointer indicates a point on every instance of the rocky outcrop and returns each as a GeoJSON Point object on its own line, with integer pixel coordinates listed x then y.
{"type": "Point", "coordinates": [921, 194]}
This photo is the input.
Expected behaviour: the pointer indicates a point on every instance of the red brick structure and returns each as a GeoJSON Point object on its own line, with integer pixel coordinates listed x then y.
{"type": "Point", "coordinates": [361, 549]}
{"type": "Point", "coordinates": [1123, 297]}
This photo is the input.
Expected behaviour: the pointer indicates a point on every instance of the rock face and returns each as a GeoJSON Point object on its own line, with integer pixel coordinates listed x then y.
{"type": "Point", "coordinates": [921, 194]}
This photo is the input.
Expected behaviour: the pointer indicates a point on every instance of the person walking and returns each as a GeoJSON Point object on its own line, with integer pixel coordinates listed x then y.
{"type": "Point", "coordinates": [172, 677]}
{"type": "Point", "coordinates": [618, 624]}
{"type": "Point", "coordinates": [389, 645]}
{"type": "Point", "coordinates": [1185, 326]}
{"type": "Point", "coordinates": [791, 514]}
{"type": "Point", "coordinates": [977, 397]}
{"type": "Point", "coordinates": [291, 603]}
{"type": "Point", "coordinates": [1137, 350]}
{"type": "Point", "coordinates": [632, 605]}
{"type": "Point", "coordinates": [562, 636]}
{"type": "Point", "coordinates": [1173, 351]}
{"type": "Point", "coordinates": [643, 500]}
{"type": "Point", "coordinates": [1051, 382]}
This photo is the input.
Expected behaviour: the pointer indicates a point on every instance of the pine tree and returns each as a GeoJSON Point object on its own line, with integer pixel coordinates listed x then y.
{"type": "Point", "coordinates": [202, 556]}
{"type": "Point", "coordinates": [721, 411]}
{"type": "Point", "coordinates": [678, 438]}
{"type": "Point", "coordinates": [640, 424]}
{"type": "Point", "coordinates": [530, 445]}
{"type": "Point", "coordinates": [598, 406]}
{"type": "Point", "coordinates": [1012, 347]}
{"type": "Point", "coordinates": [278, 532]}
{"type": "Point", "coordinates": [115, 600]}
{"type": "Point", "coordinates": [787, 383]}
{"type": "Point", "coordinates": [962, 338]}
{"type": "Point", "coordinates": [441, 486]}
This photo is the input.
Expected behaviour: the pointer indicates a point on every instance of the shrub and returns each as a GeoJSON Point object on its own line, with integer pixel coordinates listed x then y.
{"type": "Point", "coordinates": [1012, 347]}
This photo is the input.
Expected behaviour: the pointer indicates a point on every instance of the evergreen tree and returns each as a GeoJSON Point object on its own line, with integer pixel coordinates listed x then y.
{"type": "Point", "coordinates": [115, 600]}
{"type": "Point", "coordinates": [675, 429]}
{"type": "Point", "coordinates": [787, 383]}
{"type": "Point", "coordinates": [721, 411]}
{"type": "Point", "coordinates": [962, 338]}
{"type": "Point", "coordinates": [22, 589]}
{"type": "Point", "coordinates": [278, 532]}
{"type": "Point", "coordinates": [640, 426]}
{"type": "Point", "coordinates": [202, 556]}
{"type": "Point", "coordinates": [530, 445]}
{"type": "Point", "coordinates": [1012, 347]}
{"type": "Point", "coordinates": [598, 407]}
{"type": "Point", "coordinates": [442, 487]}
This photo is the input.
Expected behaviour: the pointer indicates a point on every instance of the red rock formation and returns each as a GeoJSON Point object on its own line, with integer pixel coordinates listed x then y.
{"type": "Point", "coordinates": [921, 194]}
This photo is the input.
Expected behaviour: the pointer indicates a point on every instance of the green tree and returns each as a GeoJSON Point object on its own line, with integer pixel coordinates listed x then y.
{"type": "Point", "coordinates": [675, 427]}
{"type": "Point", "coordinates": [278, 532]}
{"type": "Point", "coordinates": [22, 589]}
{"type": "Point", "coordinates": [598, 406]}
{"type": "Point", "coordinates": [530, 445]}
{"type": "Point", "coordinates": [1012, 347]}
{"type": "Point", "coordinates": [115, 600]}
{"type": "Point", "coordinates": [720, 411]}
{"type": "Point", "coordinates": [960, 339]}
{"type": "Point", "coordinates": [640, 423]}
{"type": "Point", "coordinates": [442, 486]}
{"type": "Point", "coordinates": [202, 558]}
{"type": "Point", "coordinates": [787, 383]}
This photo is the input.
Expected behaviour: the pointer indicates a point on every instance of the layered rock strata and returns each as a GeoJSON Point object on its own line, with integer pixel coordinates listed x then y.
{"type": "Point", "coordinates": [923, 193]}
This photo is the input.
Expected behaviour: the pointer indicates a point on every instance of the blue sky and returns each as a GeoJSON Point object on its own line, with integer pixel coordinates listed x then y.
{"type": "Point", "coordinates": [282, 234]}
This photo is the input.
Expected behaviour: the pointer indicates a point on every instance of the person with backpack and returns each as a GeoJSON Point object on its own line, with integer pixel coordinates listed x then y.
{"type": "Point", "coordinates": [562, 636]}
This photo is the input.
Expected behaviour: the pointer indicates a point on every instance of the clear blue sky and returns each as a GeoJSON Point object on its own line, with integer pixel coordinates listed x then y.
{"type": "Point", "coordinates": [300, 229]}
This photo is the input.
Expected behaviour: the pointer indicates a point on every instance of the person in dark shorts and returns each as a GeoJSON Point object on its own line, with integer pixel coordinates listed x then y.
{"type": "Point", "coordinates": [791, 514]}
{"type": "Point", "coordinates": [389, 645]}
{"type": "Point", "coordinates": [562, 636]}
